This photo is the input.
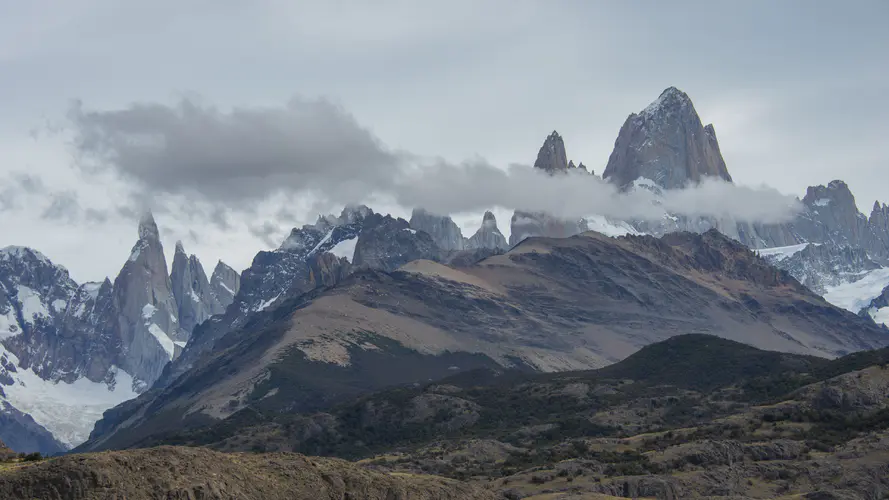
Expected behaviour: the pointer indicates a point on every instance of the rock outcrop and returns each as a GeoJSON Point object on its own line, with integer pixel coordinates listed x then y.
{"type": "Point", "coordinates": [34, 300]}
{"type": "Point", "coordinates": [488, 235]}
{"type": "Point", "coordinates": [879, 221]}
{"type": "Point", "coordinates": [315, 255]}
{"type": "Point", "coordinates": [393, 243]}
{"type": "Point", "coordinates": [54, 332]}
{"type": "Point", "coordinates": [224, 284]}
{"type": "Point", "coordinates": [666, 143]}
{"type": "Point", "coordinates": [192, 292]}
{"type": "Point", "coordinates": [524, 224]}
{"type": "Point", "coordinates": [551, 157]}
{"type": "Point", "coordinates": [193, 473]}
{"type": "Point", "coordinates": [444, 231]}
{"type": "Point", "coordinates": [819, 266]}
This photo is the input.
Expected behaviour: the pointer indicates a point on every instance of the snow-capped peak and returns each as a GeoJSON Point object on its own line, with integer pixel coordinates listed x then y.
{"type": "Point", "coordinates": [669, 99]}
{"type": "Point", "coordinates": [22, 253]}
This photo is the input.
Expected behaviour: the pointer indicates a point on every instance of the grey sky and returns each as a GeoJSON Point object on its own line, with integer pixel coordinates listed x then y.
{"type": "Point", "coordinates": [798, 92]}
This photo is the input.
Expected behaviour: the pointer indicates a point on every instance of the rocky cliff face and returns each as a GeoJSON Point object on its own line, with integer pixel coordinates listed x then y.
{"type": "Point", "coordinates": [488, 235]}
{"type": "Point", "coordinates": [552, 157]}
{"type": "Point", "coordinates": [192, 292]}
{"type": "Point", "coordinates": [445, 233]}
{"type": "Point", "coordinates": [33, 306]}
{"type": "Point", "coordinates": [879, 221]}
{"type": "Point", "coordinates": [148, 314]}
{"type": "Point", "coordinates": [666, 143]}
{"type": "Point", "coordinates": [60, 353]}
{"type": "Point", "coordinates": [832, 216]}
{"type": "Point", "coordinates": [224, 284]}
{"type": "Point", "coordinates": [664, 147]}
{"type": "Point", "coordinates": [315, 255]}
{"type": "Point", "coordinates": [391, 244]}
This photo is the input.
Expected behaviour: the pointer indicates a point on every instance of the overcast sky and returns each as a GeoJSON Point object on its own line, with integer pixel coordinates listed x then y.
{"type": "Point", "coordinates": [798, 92]}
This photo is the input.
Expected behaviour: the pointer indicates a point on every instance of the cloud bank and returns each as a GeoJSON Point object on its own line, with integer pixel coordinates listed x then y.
{"type": "Point", "coordinates": [239, 158]}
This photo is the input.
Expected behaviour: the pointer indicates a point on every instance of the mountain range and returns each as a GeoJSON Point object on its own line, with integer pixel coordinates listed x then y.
{"type": "Point", "coordinates": [70, 351]}
{"type": "Point", "coordinates": [360, 301]}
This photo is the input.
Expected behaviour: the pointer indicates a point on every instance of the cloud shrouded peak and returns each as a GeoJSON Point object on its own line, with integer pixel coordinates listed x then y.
{"type": "Point", "coordinates": [235, 159]}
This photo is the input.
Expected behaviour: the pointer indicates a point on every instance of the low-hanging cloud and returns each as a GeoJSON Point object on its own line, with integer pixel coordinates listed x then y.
{"type": "Point", "coordinates": [241, 157]}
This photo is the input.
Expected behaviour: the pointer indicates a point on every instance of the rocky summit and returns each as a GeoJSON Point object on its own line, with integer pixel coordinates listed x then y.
{"type": "Point", "coordinates": [552, 157]}
{"type": "Point", "coordinates": [666, 143]}
{"type": "Point", "coordinates": [488, 235]}
{"type": "Point", "coordinates": [191, 290]}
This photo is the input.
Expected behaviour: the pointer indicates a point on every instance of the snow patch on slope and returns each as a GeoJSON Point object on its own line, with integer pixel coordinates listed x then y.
{"type": "Point", "coordinates": [778, 254]}
{"type": "Point", "coordinates": [345, 248]}
{"type": "Point", "coordinates": [880, 315]}
{"type": "Point", "coordinates": [857, 295]}
{"type": "Point", "coordinates": [32, 304]}
{"type": "Point", "coordinates": [602, 225]}
{"type": "Point", "coordinates": [323, 241]}
{"type": "Point", "coordinates": [163, 339]}
{"type": "Point", "coordinates": [148, 311]}
{"type": "Point", "coordinates": [267, 303]}
{"type": "Point", "coordinates": [9, 325]}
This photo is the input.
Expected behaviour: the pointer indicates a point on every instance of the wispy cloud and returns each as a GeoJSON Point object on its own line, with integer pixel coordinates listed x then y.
{"type": "Point", "coordinates": [235, 159]}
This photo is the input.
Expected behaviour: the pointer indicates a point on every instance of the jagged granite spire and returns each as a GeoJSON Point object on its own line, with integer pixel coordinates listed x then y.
{"type": "Point", "coordinates": [488, 236]}
{"type": "Point", "coordinates": [552, 157]}
{"type": "Point", "coordinates": [148, 321]}
{"type": "Point", "coordinates": [225, 284]}
{"type": "Point", "coordinates": [444, 231]}
{"type": "Point", "coordinates": [194, 297]}
{"type": "Point", "coordinates": [667, 143]}
{"type": "Point", "coordinates": [879, 220]}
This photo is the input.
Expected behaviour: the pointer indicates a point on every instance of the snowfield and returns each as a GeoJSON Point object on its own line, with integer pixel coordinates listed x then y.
{"type": "Point", "coordinates": [859, 294]}
{"type": "Point", "coordinates": [780, 253]}
{"type": "Point", "coordinates": [880, 315]}
{"type": "Point", "coordinates": [68, 411]}
{"type": "Point", "coordinates": [345, 248]}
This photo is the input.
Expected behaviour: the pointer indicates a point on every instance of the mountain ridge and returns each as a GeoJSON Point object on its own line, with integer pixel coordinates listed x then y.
{"type": "Point", "coordinates": [505, 310]}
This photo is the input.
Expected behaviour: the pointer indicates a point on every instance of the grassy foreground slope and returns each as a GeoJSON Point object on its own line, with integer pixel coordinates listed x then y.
{"type": "Point", "coordinates": [199, 473]}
